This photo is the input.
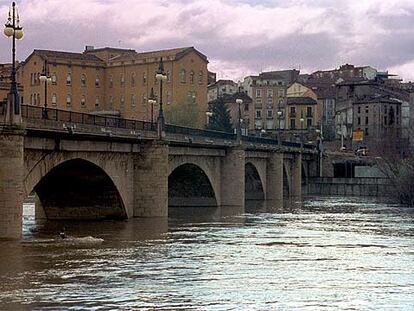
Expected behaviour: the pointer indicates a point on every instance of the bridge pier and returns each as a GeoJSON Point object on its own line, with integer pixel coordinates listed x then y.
{"type": "Point", "coordinates": [11, 182]}
{"type": "Point", "coordinates": [296, 176]}
{"type": "Point", "coordinates": [274, 188]}
{"type": "Point", "coordinates": [232, 178]}
{"type": "Point", "coordinates": [151, 181]}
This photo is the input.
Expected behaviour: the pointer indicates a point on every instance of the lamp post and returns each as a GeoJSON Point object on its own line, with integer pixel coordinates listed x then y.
{"type": "Point", "coordinates": [46, 79]}
{"type": "Point", "coordinates": [161, 76]}
{"type": "Point", "coordinates": [279, 117]}
{"type": "Point", "coordinates": [152, 101]}
{"type": "Point", "coordinates": [209, 114]}
{"type": "Point", "coordinates": [239, 102]}
{"type": "Point", "coordinates": [320, 151]}
{"type": "Point", "coordinates": [12, 29]}
{"type": "Point", "coordinates": [302, 121]}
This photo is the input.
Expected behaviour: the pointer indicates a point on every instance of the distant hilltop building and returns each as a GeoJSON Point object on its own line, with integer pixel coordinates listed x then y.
{"type": "Point", "coordinates": [115, 81]}
{"type": "Point", "coordinates": [221, 88]}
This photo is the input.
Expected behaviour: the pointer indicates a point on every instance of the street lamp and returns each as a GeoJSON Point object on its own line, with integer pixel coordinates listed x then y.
{"type": "Point", "coordinates": [209, 114]}
{"type": "Point", "coordinates": [161, 76]}
{"type": "Point", "coordinates": [302, 121]}
{"type": "Point", "coordinates": [239, 102]}
{"type": "Point", "coordinates": [46, 79]}
{"type": "Point", "coordinates": [152, 101]}
{"type": "Point", "coordinates": [279, 117]}
{"type": "Point", "coordinates": [12, 29]}
{"type": "Point", "coordinates": [320, 151]}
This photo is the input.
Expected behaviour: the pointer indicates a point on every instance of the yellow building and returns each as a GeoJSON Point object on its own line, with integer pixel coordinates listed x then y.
{"type": "Point", "coordinates": [115, 81]}
{"type": "Point", "coordinates": [302, 104]}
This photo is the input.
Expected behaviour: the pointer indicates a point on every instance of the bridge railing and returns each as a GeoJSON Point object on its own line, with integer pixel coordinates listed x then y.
{"type": "Point", "coordinates": [175, 129]}
{"type": "Point", "coordinates": [40, 113]}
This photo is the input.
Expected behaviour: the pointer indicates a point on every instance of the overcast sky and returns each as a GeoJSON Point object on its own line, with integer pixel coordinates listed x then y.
{"type": "Point", "coordinates": [240, 37]}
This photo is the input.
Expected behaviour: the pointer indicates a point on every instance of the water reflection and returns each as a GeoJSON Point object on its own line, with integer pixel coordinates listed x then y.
{"type": "Point", "coordinates": [319, 254]}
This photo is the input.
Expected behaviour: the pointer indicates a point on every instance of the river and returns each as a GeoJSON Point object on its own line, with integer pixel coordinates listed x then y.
{"type": "Point", "coordinates": [325, 254]}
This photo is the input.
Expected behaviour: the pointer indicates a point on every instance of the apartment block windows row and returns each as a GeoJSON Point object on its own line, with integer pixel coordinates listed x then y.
{"type": "Point", "coordinates": [35, 99]}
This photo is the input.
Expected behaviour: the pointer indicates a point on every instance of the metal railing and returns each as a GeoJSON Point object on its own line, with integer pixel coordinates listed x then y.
{"type": "Point", "coordinates": [40, 113]}
{"type": "Point", "coordinates": [175, 129]}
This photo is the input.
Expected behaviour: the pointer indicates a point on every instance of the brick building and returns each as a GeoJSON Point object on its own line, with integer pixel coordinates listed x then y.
{"type": "Point", "coordinates": [115, 81]}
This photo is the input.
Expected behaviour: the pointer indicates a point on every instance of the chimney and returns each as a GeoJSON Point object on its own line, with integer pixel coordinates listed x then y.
{"type": "Point", "coordinates": [89, 48]}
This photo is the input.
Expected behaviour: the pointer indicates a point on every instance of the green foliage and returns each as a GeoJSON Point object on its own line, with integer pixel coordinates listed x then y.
{"type": "Point", "coordinates": [183, 114]}
{"type": "Point", "coordinates": [220, 119]}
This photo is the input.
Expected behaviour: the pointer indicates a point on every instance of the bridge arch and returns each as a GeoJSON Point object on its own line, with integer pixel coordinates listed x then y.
{"type": "Point", "coordinates": [189, 184]}
{"type": "Point", "coordinates": [71, 186]}
{"type": "Point", "coordinates": [254, 182]}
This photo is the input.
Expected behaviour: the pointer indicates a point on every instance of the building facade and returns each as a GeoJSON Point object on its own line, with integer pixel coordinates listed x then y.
{"type": "Point", "coordinates": [115, 81]}
{"type": "Point", "coordinates": [220, 88]}
{"type": "Point", "coordinates": [301, 113]}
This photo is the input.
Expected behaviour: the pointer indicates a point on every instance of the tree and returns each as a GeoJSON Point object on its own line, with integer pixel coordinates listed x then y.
{"type": "Point", "coordinates": [183, 114]}
{"type": "Point", "coordinates": [220, 118]}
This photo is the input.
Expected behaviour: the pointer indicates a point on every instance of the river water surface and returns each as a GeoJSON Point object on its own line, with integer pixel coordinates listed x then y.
{"type": "Point", "coordinates": [326, 254]}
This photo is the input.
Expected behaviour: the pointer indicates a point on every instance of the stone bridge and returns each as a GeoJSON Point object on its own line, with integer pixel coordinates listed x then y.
{"type": "Point", "coordinates": [81, 170]}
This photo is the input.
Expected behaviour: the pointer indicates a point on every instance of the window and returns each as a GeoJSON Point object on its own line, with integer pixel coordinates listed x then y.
{"type": "Point", "coordinates": [133, 79]}
{"type": "Point", "coordinates": [38, 98]}
{"type": "Point", "coordinates": [281, 93]}
{"type": "Point", "coordinates": [269, 93]}
{"type": "Point", "coordinates": [54, 79]}
{"type": "Point", "coordinates": [366, 109]}
{"type": "Point", "coordinates": [111, 102]}
{"type": "Point", "coordinates": [385, 120]}
{"type": "Point", "coordinates": [122, 102]}
{"type": "Point", "coordinates": [270, 113]}
{"type": "Point", "coordinates": [258, 101]}
{"type": "Point", "coordinates": [68, 100]}
{"type": "Point", "coordinates": [31, 99]}
{"type": "Point", "coordinates": [258, 93]}
{"type": "Point", "coordinates": [366, 120]}
{"type": "Point", "coordinates": [270, 101]}
{"type": "Point", "coordinates": [359, 121]}
{"type": "Point", "coordinates": [292, 111]}
{"type": "Point", "coordinates": [309, 111]}
{"type": "Point", "coordinates": [83, 101]}
{"type": "Point", "coordinates": [258, 114]}
{"type": "Point", "coordinates": [359, 109]}
{"type": "Point", "coordinates": [133, 100]}
{"type": "Point", "coordinates": [183, 76]}
{"type": "Point", "coordinates": [168, 98]}
{"type": "Point", "coordinates": [366, 131]}
{"type": "Point", "coordinates": [97, 82]}
{"type": "Point", "coordinates": [54, 100]}
{"type": "Point", "coordinates": [83, 80]}
{"type": "Point", "coordinates": [200, 77]}
{"type": "Point", "coordinates": [292, 124]}
{"type": "Point", "coordinates": [246, 107]}
{"type": "Point", "coordinates": [111, 81]}
{"type": "Point", "coordinates": [68, 79]}
{"type": "Point", "coordinates": [308, 123]}
{"type": "Point", "coordinates": [192, 77]}
{"type": "Point", "coordinates": [97, 101]}
{"type": "Point", "coordinates": [144, 78]}
{"type": "Point", "coordinates": [122, 79]}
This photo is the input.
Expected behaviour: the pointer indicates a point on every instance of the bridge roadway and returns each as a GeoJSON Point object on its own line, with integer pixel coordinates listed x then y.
{"type": "Point", "coordinates": [83, 166]}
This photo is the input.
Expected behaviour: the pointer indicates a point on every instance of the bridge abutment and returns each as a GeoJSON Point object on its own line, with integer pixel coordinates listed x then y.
{"type": "Point", "coordinates": [151, 181]}
{"type": "Point", "coordinates": [233, 178]}
{"type": "Point", "coordinates": [11, 182]}
{"type": "Point", "coordinates": [274, 175]}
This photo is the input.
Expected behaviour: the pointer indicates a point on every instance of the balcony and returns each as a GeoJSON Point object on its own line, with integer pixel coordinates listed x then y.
{"type": "Point", "coordinates": [292, 114]}
{"type": "Point", "coordinates": [309, 114]}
